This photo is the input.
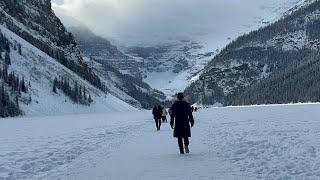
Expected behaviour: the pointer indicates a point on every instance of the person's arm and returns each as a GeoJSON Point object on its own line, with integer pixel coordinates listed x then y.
{"type": "Point", "coordinates": [190, 117]}
{"type": "Point", "coordinates": [172, 116]}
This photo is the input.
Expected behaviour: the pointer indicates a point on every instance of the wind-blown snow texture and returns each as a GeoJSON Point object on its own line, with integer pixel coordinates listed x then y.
{"type": "Point", "coordinates": [258, 142]}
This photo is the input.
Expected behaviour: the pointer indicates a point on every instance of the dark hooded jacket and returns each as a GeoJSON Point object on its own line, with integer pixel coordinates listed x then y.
{"type": "Point", "coordinates": [181, 118]}
{"type": "Point", "coordinates": [156, 112]}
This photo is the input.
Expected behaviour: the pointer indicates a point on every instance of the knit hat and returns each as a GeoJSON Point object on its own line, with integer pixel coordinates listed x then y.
{"type": "Point", "coordinates": [180, 96]}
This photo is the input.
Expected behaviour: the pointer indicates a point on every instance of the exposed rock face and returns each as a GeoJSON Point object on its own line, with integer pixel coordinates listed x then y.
{"type": "Point", "coordinates": [104, 52]}
{"type": "Point", "coordinates": [34, 21]}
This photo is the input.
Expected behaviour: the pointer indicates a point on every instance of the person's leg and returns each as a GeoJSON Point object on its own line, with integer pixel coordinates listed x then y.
{"type": "Point", "coordinates": [186, 141]}
{"type": "Point", "coordinates": [180, 143]}
{"type": "Point", "coordinates": [186, 144]}
{"type": "Point", "coordinates": [159, 123]}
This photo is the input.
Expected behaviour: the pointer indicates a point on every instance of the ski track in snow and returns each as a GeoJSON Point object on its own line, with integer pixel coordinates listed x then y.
{"type": "Point", "coordinates": [258, 142]}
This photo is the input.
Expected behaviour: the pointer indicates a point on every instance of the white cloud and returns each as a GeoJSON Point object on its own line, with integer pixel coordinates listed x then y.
{"type": "Point", "coordinates": [147, 19]}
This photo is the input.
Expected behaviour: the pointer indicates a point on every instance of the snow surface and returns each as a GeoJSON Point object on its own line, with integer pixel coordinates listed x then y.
{"type": "Point", "coordinates": [255, 142]}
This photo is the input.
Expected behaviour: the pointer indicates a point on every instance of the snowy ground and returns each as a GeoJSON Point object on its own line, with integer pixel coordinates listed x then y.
{"type": "Point", "coordinates": [265, 142]}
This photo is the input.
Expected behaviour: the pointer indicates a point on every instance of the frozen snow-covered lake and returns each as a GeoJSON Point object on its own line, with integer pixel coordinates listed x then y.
{"type": "Point", "coordinates": [264, 142]}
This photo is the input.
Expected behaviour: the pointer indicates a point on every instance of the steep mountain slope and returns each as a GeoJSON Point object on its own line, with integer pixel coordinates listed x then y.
{"type": "Point", "coordinates": [128, 88]}
{"type": "Point", "coordinates": [40, 70]}
{"type": "Point", "coordinates": [95, 46]}
{"type": "Point", "coordinates": [35, 22]}
{"type": "Point", "coordinates": [269, 53]}
{"type": "Point", "coordinates": [41, 53]}
{"type": "Point", "coordinates": [57, 67]}
{"type": "Point", "coordinates": [104, 52]}
{"type": "Point", "coordinates": [110, 64]}
{"type": "Point", "coordinates": [298, 82]}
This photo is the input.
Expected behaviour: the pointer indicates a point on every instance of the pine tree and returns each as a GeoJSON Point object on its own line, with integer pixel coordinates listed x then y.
{"type": "Point", "coordinates": [90, 99]}
{"type": "Point", "coordinates": [55, 83]}
{"type": "Point", "coordinates": [30, 99]}
{"type": "Point", "coordinates": [23, 86]}
{"type": "Point", "coordinates": [84, 93]}
{"type": "Point", "coordinates": [19, 49]}
{"type": "Point", "coordinates": [7, 59]}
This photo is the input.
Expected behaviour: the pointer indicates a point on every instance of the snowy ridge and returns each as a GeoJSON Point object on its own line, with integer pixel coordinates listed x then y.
{"type": "Point", "coordinates": [40, 69]}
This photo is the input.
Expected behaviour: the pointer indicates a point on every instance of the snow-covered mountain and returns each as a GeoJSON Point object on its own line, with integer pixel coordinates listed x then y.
{"type": "Point", "coordinates": [276, 64]}
{"type": "Point", "coordinates": [60, 80]}
{"type": "Point", "coordinates": [103, 51]}
{"type": "Point", "coordinates": [121, 72]}
{"type": "Point", "coordinates": [173, 64]}
{"type": "Point", "coordinates": [39, 69]}
{"type": "Point", "coordinates": [170, 67]}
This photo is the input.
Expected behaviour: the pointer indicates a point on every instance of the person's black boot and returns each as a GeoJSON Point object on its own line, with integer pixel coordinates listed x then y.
{"type": "Point", "coordinates": [187, 149]}
{"type": "Point", "coordinates": [181, 150]}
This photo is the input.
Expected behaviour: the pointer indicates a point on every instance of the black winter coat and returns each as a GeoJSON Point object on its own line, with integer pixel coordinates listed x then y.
{"type": "Point", "coordinates": [181, 118]}
{"type": "Point", "coordinates": [156, 113]}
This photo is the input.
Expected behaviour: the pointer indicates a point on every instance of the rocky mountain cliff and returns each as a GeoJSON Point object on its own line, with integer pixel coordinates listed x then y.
{"type": "Point", "coordinates": [266, 65]}
{"type": "Point", "coordinates": [103, 51]}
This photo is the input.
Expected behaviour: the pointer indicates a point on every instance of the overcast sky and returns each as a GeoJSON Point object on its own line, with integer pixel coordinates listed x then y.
{"type": "Point", "coordinates": [147, 20]}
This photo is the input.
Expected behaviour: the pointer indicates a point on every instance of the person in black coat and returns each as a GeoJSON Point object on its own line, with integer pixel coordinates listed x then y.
{"type": "Point", "coordinates": [156, 111]}
{"type": "Point", "coordinates": [181, 119]}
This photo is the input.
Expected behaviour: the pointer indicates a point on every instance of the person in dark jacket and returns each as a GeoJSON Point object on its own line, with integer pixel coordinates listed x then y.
{"type": "Point", "coordinates": [164, 114]}
{"type": "Point", "coordinates": [156, 111]}
{"type": "Point", "coordinates": [181, 119]}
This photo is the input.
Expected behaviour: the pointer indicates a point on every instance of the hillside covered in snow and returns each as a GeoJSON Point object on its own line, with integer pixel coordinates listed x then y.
{"type": "Point", "coordinates": [39, 54]}
{"type": "Point", "coordinates": [276, 64]}
{"type": "Point", "coordinates": [39, 71]}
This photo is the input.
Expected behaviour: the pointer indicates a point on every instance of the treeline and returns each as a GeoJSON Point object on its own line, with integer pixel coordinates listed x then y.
{"type": "Point", "coordinates": [83, 70]}
{"type": "Point", "coordinates": [136, 89]}
{"type": "Point", "coordinates": [8, 107]}
{"type": "Point", "coordinates": [12, 80]}
{"type": "Point", "coordinates": [77, 93]}
{"type": "Point", "coordinates": [12, 86]}
{"type": "Point", "coordinates": [299, 82]}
